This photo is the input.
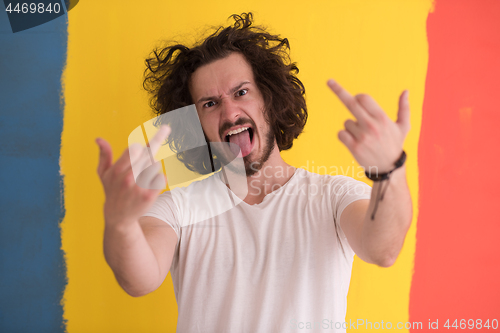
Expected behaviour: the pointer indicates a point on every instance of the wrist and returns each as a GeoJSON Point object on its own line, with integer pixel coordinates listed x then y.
{"type": "Point", "coordinates": [123, 226]}
{"type": "Point", "coordinates": [376, 176]}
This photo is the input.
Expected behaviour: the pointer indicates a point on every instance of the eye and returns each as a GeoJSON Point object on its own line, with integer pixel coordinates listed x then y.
{"type": "Point", "coordinates": [242, 92]}
{"type": "Point", "coordinates": [208, 104]}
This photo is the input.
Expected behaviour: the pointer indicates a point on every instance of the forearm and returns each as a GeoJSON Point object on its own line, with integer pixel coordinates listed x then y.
{"type": "Point", "coordinates": [131, 258]}
{"type": "Point", "coordinates": [383, 236]}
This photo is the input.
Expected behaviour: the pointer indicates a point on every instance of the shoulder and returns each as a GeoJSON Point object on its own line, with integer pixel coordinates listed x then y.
{"type": "Point", "coordinates": [305, 176]}
{"type": "Point", "coordinates": [203, 199]}
{"type": "Point", "coordinates": [336, 182]}
{"type": "Point", "coordinates": [196, 187]}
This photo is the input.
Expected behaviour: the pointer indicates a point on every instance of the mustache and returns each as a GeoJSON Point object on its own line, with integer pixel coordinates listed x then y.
{"type": "Point", "coordinates": [241, 121]}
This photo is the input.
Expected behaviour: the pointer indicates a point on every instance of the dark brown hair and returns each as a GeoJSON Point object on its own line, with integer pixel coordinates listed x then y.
{"type": "Point", "coordinates": [169, 71]}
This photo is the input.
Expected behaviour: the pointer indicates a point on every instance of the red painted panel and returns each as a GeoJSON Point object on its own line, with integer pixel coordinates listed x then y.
{"type": "Point", "coordinates": [457, 262]}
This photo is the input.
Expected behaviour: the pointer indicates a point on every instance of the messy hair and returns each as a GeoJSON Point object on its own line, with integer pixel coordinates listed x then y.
{"type": "Point", "coordinates": [169, 70]}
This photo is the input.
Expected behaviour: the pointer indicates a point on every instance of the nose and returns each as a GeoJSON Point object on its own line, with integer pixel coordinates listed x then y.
{"type": "Point", "coordinates": [229, 110]}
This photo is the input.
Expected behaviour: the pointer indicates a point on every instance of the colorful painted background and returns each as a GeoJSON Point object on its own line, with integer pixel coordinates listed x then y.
{"type": "Point", "coordinates": [64, 83]}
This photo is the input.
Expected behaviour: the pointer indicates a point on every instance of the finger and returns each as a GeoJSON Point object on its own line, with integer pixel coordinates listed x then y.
{"type": "Point", "coordinates": [160, 136]}
{"type": "Point", "coordinates": [347, 139]}
{"type": "Point", "coordinates": [147, 179]}
{"type": "Point", "coordinates": [105, 156]}
{"type": "Point", "coordinates": [349, 101]}
{"type": "Point", "coordinates": [354, 129]}
{"type": "Point", "coordinates": [159, 182]}
{"type": "Point", "coordinates": [139, 157]}
{"type": "Point", "coordinates": [143, 157]}
{"type": "Point", "coordinates": [404, 112]}
{"type": "Point", "coordinates": [370, 105]}
{"type": "Point", "coordinates": [123, 163]}
{"type": "Point", "coordinates": [135, 151]}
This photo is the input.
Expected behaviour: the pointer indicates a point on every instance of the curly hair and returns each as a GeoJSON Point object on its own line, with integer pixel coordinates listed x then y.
{"type": "Point", "coordinates": [169, 71]}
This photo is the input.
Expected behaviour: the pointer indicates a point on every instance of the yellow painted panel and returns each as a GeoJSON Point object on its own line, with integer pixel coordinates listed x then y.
{"type": "Point", "coordinates": [375, 47]}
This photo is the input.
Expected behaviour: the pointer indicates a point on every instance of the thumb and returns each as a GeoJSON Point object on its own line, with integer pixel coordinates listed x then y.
{"type": "Point", "coordinates": [105, 156]}
{"type": "Point", "coordinates": [404, 112]}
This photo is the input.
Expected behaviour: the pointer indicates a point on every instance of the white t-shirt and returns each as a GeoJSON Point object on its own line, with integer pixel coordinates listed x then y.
{"type": "Point", "coordinates": [276, 266]}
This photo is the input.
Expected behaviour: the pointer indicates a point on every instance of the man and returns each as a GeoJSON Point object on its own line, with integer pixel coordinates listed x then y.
{"type": "Point", "coordinates": [282, 258]}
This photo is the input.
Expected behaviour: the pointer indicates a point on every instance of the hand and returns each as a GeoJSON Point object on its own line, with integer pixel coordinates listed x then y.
{"type": "Point", "coordinates": [125, 200]}
{"type": "Point", "coordinates": [373, 139]}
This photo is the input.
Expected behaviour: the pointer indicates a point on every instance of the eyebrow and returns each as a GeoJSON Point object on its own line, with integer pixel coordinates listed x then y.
{"type": "Point", "coordinates": [233, 90]}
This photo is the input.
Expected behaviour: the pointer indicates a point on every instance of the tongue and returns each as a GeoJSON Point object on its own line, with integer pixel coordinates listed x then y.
{"type": "Point", "coordinates": [243, 141]}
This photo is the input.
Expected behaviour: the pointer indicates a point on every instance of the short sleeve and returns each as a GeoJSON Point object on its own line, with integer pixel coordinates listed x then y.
{"type": "Point", "coordinates": [346, 190]}
{"type": "Point", "coordinates": [165, 209]}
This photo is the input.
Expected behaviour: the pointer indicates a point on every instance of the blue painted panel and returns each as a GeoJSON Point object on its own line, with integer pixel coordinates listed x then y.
{"type": "Point", "coordinates": [32, 268]}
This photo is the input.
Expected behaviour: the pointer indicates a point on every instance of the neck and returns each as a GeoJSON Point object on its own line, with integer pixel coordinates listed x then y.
{"type": "Point", "coordinates": [274, 173]}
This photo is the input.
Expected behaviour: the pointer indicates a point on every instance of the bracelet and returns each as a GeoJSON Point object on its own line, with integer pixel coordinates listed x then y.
{"type": "Point", "coordinates": [380, 193]}
{"type": "Point", "coordinates": [383, 176]}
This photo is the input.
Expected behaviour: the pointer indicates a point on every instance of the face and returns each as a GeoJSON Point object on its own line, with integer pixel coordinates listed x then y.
{"type": "Point", "coordinates": [231, 109]}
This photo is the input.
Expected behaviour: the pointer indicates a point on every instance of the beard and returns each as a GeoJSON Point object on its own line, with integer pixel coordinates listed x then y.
{"type": "Point", "coordinates": [252, 164]}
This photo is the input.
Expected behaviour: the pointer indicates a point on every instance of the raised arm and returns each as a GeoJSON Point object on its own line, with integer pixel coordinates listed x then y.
{"type": "Point", "coordinates": [376, 229]}
{"type": "Point", "coordinates": [138, 250]}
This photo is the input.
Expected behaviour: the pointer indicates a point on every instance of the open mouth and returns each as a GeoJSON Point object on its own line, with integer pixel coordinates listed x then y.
{"type": "Point", "coordinates": [241, 137]}
{"type": "Point", "coordinates": [239, 130]}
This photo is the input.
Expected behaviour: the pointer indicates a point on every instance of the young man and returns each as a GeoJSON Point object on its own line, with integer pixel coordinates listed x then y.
{"type": "Point", "coordinates": [283, 256]}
